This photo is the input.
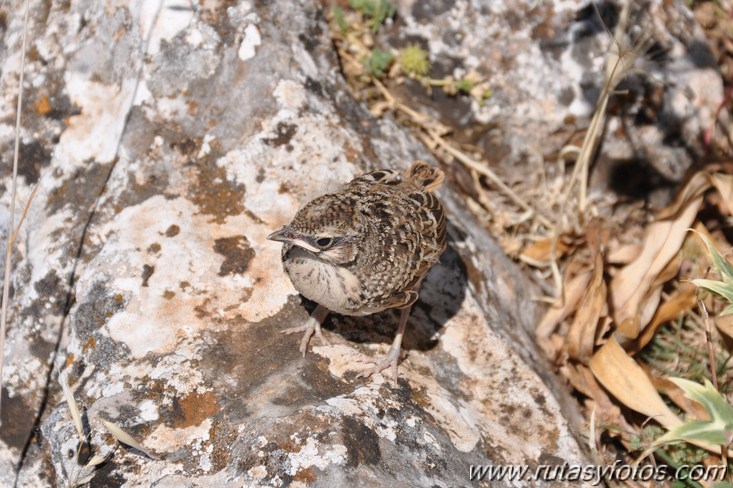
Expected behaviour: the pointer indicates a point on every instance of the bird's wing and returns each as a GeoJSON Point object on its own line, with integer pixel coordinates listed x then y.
{"type": "Point", "coordinates": [366, 181]}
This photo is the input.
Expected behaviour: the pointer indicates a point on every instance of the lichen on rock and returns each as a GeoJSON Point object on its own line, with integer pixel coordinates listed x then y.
{"type": "Point", "coordinates": [164, 159]}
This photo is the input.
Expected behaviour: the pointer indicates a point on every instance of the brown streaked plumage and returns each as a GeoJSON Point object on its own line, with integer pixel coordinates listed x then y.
{"type": "Point", "coordinates": [366, 248]}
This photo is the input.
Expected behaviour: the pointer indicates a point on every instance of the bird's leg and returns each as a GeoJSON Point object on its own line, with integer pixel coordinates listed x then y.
{"type": "Point", "coordinates": [392, 358]}
{"type": "Point", "coordinates": [311, 326]}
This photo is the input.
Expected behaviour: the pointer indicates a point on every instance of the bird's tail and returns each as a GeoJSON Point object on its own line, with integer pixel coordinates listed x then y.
{"type": "Point", "coordinates": [422, 175]}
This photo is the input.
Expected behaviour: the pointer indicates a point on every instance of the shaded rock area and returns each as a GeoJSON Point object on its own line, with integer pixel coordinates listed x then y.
{"type": "Point", "coordinates": [167, 142]}
{"type": "Point", "coordinates": [546, 70]}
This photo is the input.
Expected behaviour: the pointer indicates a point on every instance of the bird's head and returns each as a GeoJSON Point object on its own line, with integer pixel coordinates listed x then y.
{"type": "Point", "coordinates": [325, 229]}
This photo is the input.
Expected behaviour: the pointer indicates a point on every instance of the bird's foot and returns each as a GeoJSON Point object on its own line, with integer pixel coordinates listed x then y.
{"type": "Point", "coordinates": [390, 360]}
{"type": "Point", "coordinates": [312, 326]}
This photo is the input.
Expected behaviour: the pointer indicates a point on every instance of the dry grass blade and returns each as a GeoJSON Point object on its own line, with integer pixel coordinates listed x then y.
{"type": "Point", "coordinates": [484, 170]}
{"type": "Point", "coordinates": [96, 460]}
{"type": "Point", "coordinates": [126, 438]}
{"type": "Point", "coordinates": [73, 407]}
{"type": "Point", "coordinates": [13, 192]}
{"type": "Point", "coordinates": [26, 207]}
{"type": "Point", "coordinates": [617, 67]}
{"type": "Point", "coordinates": [581, 337]}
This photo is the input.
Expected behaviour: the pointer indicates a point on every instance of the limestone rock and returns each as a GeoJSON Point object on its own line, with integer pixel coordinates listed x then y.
{"type": "Point", "coordinates": [168, 141]}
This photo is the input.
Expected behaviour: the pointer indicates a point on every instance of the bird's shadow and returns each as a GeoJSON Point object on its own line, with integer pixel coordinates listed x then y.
{"type": "Point", "coordinates": [441, 295]}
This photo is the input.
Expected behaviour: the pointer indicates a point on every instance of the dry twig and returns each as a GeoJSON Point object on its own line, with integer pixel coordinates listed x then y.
{"type": "Point", "coordinates": [11, 227]}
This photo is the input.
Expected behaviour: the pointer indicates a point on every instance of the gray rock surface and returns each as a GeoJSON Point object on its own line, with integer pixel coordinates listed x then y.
{"type": "Point", "coordinates": [167, 142]}
{"type": "Point", "coordinates": [546, 66]}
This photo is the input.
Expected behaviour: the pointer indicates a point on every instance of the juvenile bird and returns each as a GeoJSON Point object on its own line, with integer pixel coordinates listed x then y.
{"type": "Point", "coordinates": [366, 248]}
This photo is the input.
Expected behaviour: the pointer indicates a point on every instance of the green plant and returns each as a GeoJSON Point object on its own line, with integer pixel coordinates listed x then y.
{"type": "Point", "coordinates": [676, 350]}
{"type": "Point", "coordinates": [414, 61]}
{"type": "Point", "coordinates": [723, 288]}
{"type": "Point", "coordinates": [378, 61]}
{"type": "Point", "coordinates": [340, 18]}
{"type": "Point", "coordinates": [718, 431]}
{"type": "Point", "coordinates": [377, 11]}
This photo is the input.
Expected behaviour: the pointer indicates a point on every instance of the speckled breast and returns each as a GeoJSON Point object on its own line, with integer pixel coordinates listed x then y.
{"type": "Point", "coordinates": [334, 287]}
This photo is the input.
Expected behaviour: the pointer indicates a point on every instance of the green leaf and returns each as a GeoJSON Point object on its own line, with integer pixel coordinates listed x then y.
{"type": "Point", "coordinates": [714, 403]}
{"type": "Point", "coordinates": [465, 85]}
{"type": "Point", "coordinates": [718, 287]}
{"type": "Point", "coordinates": [695, 430]}
{"type": "Point", "coordinates": [719, 262]}
{"type": "Point", "coordinates": [340, 18]}
{"type": "Point", "coordinates": [716, 431]}
{"type": "Point", "coordinates": [377, 11]}
{"type": "Point", "coordinates": [378, 62]}
{"type": "Point", "coordinates": [488, 93]}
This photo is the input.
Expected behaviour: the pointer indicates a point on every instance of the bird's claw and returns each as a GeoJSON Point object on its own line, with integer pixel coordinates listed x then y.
{"type": "Point", "coordinates": [310, 328]}
{"type": "Point", "coordinates": [390, 360]}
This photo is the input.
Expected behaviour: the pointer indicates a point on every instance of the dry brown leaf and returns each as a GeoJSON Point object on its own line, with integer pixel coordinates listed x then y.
{"type": "Point", "coordinates": [554, 344]}
{"type": "Point", "coordinates": [724, 325]}
{"type": "Point", "coordinates": [632, 287]}
{"type": "Point", "coordinates": [693, 188]}
{"type": "Point", "coordinates": [630, 329]}
{"type": "Point", "coordinates": [724, 184]}
{"type": "Point", "coordinates": [574, 288]}
{"type": "Point", "coordinates": [539, 254]}
{"type": "Point", "coordinates": [581, 336]}
{"type": "Point", "coordinates": [679, 303]}
{"type": "Point", "coordinates": [605, 324]}
{"type": "Point", "coordinates": [623, 254]}
{"type": "Point", "coordinates": [650, 303]}
{"type": "Point", "coordinates": [583, 381]}
{"type": "Point", "coordinates": [628, 383]}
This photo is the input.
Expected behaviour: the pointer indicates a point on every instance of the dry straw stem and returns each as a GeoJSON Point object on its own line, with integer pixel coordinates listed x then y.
{"type": "Point", "coordinates": [81, 474]}
{"type": "Point", "coordinates": [710, 348]}
{"type": "Point", "coordinates": [126, 438]}
{"type": "Point", "coordinates": [618, 65]}
{"type": "Point", "coordinates": [11, 227]}
{"type": "Point", "coordinates": [433, 132]}
{"type": "Point", "coordinates": [708, 337]}
{"type": "Point", "coordinates": [73, 407]}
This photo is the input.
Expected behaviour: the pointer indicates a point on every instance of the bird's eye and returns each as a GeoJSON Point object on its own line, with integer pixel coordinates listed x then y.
{"type": "Point", "coordinates": [324, 242]}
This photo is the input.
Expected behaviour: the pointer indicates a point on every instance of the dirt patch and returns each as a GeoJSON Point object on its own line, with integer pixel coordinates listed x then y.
{"type": "Point", "coordinates": [214, 195]}
{"type": "Point", "coordinates": [194, 409]}
{"type": "Point", "coordinates": [236, 252]}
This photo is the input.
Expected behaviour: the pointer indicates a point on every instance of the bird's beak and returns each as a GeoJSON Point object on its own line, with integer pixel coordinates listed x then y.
{"type": "Point", "coordinates": [282, 235]}
{"type": "Point", "coordinates": [288, 236]}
